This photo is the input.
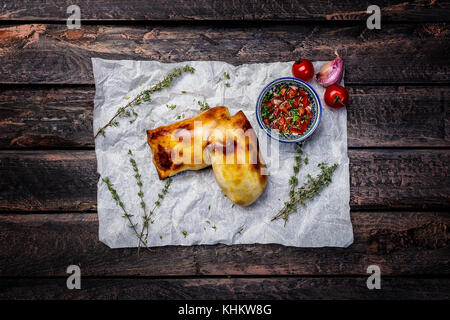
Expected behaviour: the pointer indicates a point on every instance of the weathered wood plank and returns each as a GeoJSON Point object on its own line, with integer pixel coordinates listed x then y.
{"type": "Point", "coordinates": [398, 117]}
{"type": "Point", "coordinates": [239, 288]}
{"type": "Point", "coordinates": [40, 53]}
{"type": "Point", "coordinates": [379, 179]}
{"type": "Point", "coordinates": [62, 180]}
{"type": "Point", "coordinates": [400, 243]}
{"type": "Point", "coordinates": [398, 10]}
{"type": "Point", "coordinates": [399, 179]}
{"type": "Point", "coordinates": [377, 117]}
{"type": "Point", "coordinates": [56, 117]}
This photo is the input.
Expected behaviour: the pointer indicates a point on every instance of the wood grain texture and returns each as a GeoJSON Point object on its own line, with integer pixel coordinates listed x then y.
{"type": "Point", "coordinates": [398, 117]}
{"type": "Point", "coordinates": [40, 53]}
{"type": "Point", "coordinates": [176, 10]}
{"type": "Point", "coordinates": [38, 240]}
{"type": "Point", "coordinates": [401, 243]}
{"type": "Point", "coordinates": [240, 288]}
{"type": "Point", "coordinates": [377, 117]}
{"type": "Point", "coordinates": [62, 180]}
{"type": "Point", "coordinates": [42, 117]}
{"type": "Point", "coordinates": [379, 179]}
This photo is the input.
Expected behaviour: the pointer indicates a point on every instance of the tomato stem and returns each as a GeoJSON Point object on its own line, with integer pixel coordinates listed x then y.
{"type": "Point", "coordinates": [338, 99]}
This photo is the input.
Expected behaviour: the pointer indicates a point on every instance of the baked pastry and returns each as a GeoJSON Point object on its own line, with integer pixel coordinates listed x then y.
{"type": "Point", "coordinates": [238, 166]}
{"type": "Point", "coordinates": [178, 147]}
{"type": "Point", "coordinates": [214, 138]}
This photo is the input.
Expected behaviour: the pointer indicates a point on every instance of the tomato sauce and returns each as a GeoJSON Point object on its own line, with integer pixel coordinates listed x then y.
{"type": "Point", "coordinates": [287, 109]}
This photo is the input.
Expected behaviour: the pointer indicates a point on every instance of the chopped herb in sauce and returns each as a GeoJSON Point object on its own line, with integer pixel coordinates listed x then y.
{"type": "Point", "coordinates": [287, 109]}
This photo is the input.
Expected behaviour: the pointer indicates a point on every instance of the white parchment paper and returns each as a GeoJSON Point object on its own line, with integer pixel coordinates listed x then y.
{"type": "Point", "coordinates": [195, 203]}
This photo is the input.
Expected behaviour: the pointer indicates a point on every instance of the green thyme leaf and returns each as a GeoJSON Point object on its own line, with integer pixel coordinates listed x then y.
{"type": "Point", "coordinates": [125, 215]}
{"type": "Point", "coordinates": [144, 96]}
{"type": "Point", "coordinates": [203, 105]}
{"type": "Point", "coordinates": [308, 191]}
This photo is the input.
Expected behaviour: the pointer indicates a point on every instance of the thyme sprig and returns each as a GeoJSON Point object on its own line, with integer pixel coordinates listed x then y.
{"type": "Point", "coordinates": [137, 176]}
{"type": "Point", "coordinates": [140, 194]}
{"type": "Point", "coordinates": [143, 96]}
{"type": "Point", "coordinates": [156, 204]}
{"type": "Point", "coordinates": [146, 218]}
{"type": "Point", "coordinates": [308, 191]}
{"type": "Point", "coordinates": [293, 181]}
{"type": "Point", "coordinates": [126, 215]}
{"type": "Point", "coordinates": [143, 234]}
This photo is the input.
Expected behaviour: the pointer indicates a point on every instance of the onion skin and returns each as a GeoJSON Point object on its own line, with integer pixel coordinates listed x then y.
{"type": "Point", "coordinates": [331, 72]}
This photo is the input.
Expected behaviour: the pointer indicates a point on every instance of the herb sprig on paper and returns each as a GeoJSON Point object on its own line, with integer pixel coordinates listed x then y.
{"type": "Point", "coordinates": [156, 204]}
{"type": "Point", "coordinates": [143, 96]}
{"type": "Point", "coordinates": [293, 181]}
{"type": "Point", "coordinates": [146, 217]}
{"type": "Point", "coordinates": [308, 191]}
{"type": "Point", "coordinates": [140, 194]}
{"type": "Point", "coordinates": [126, 215]}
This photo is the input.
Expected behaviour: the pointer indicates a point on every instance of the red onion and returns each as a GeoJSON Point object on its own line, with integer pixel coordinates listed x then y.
{"type": "Point", "coordinates": [331, 72]}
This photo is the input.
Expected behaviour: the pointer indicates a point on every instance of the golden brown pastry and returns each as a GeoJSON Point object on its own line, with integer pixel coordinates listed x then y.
{"type": "Point", "coordinates": [177, 147]}
{"type": "Point", "coordinates": [214, 138]}
{"type": "Point", "coordinates": [237, 163]}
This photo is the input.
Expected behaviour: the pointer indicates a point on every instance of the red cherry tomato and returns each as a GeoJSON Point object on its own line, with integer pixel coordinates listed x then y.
{"type": "Point", "coordinates": [303, 69]}
{"type": "Point", "coordinates": [336, 96]}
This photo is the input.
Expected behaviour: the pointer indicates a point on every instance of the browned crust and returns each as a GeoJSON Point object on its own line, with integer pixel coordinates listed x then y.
{"type": "Point", "coordinates": [241, 121]}
{"type": "Point", "coordinates": [160, 148]}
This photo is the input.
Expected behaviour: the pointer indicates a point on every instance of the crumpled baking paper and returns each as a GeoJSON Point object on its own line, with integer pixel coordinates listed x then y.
{"type": "Point", "coordinates": [195, 211]}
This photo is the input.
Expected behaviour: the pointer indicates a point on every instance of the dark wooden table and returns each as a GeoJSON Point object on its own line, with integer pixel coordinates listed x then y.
{"type": "Point", "coordinates": [398, 137]}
